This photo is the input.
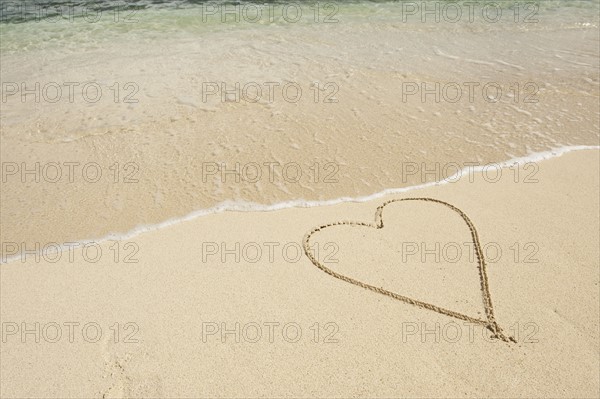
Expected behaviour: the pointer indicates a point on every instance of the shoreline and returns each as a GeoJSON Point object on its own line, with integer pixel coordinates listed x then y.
{"type": "Point", "coordinates": [253, 207]}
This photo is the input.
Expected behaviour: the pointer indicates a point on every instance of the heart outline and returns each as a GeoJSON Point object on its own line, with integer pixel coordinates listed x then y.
{"type": "Point", "coordinates": [490, 323]}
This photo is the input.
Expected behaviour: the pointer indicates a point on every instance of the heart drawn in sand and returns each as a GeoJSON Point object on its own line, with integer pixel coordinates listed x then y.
{"type": "Point", "coordinates": [490, 323]}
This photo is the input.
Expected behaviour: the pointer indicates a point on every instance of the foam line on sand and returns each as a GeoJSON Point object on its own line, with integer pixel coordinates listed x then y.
{"type": "Point", "coordinates": [243, 206]}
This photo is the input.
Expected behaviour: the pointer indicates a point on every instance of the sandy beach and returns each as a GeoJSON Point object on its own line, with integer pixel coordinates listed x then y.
{"type": "Point", "coordinates": [205, 322]}
{"type": "Point", "coordinates": [361, 199]}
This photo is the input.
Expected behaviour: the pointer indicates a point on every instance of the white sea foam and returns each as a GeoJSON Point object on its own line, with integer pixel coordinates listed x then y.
{"type": "Point", "coordinates": [244, 206]}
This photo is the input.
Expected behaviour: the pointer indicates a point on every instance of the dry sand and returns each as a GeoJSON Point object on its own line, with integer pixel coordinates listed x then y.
{"type": "Point", "coordinates": [367, 344]}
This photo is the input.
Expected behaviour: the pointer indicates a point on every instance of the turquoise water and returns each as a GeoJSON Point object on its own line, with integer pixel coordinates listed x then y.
{"type": "Point", "coordinates": [369, 50]}
{"type": "Point", "coordinates": [73, 26]}
{"type": "Point", "coordinates": [54, 10]}
{"type": "Point", "coordinates": [18, 11]}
